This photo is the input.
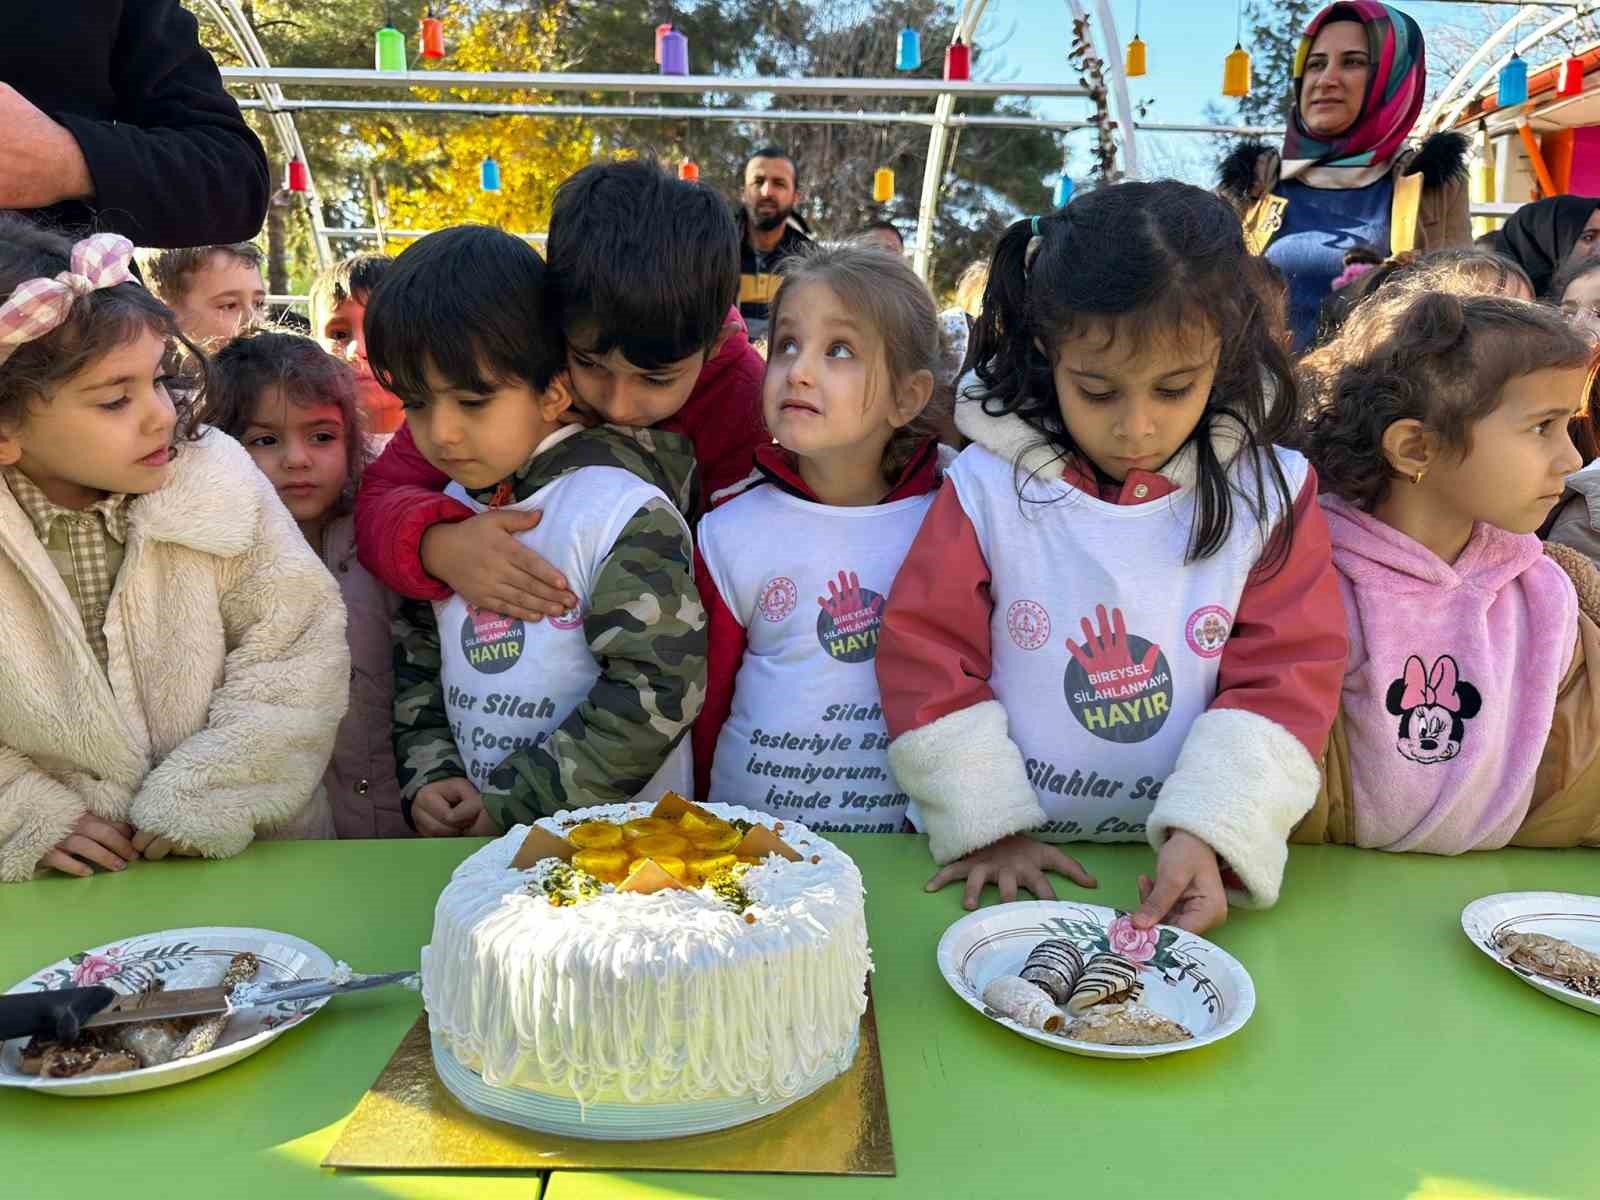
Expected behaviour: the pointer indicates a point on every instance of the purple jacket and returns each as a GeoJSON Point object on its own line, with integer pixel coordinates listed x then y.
{"type": "Point", "coordinates": [360, 779]}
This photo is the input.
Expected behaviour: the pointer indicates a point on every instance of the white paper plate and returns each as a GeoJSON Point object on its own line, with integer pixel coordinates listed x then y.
{"type": "Point", "coordinates": [1565, 915]}
{"type": "Point", "coordinates": [180, 958]}
{"type": "Point", "coordinates": [1185, 977]}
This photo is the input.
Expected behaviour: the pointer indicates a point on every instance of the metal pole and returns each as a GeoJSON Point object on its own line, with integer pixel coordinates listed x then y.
{"type": "Point", "coordinates": [938, 138]}
{"type": "Point", "coordinates": [1113, 64]}
{"type": "Point", "coordinates": [236, 26]}
{"type": "Point", "coordinates": [550, 81]}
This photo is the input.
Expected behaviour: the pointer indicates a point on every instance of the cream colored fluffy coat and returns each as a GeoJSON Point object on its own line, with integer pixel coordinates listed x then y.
{"type": "Point", "coordinates": [227, 677]}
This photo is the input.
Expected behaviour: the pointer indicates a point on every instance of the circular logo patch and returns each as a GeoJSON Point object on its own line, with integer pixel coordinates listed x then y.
{"type": "Point", "coordinates": [571, 619]}
{"type": "Point", "coordinates": [1028, 624]}
{"type": "Point", "coordinates": [492, 643]}
{"type": "Point", "coordinates": [848, 624]}
{"type": "Point", "coordinates": [1118, 684]}
{"type": "Point", "coordinates": [778, 598]}
{"type": "Point", "coordinates": [1207, 630]}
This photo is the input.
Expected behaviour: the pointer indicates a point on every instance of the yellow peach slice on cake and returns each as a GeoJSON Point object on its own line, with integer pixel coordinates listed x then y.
{"type": "Point", "coordinates": [672, 864]}
{"type": "Point", "coordinates": [721, 837]}
{"type": "Point", "coordinates": [609, 864]}
{"type": "Point", "coordinates": [646, 827]}
{"type": "Point", "coordinates": [656, 844]}
{"type": "Point", "coordinates": [595, 835]}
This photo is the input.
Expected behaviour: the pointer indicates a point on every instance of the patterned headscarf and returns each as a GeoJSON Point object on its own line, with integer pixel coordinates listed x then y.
{"type": "Point", "coordinates": [1361, 154]}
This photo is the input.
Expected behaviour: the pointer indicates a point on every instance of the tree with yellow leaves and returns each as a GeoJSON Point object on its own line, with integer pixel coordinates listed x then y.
{"type": "Point", "coordinates": [428, 169]}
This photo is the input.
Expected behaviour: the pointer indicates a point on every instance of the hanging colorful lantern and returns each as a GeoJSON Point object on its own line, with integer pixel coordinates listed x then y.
{"type": "Point", "coordinates": [689, 171]}
{"type": "Point", "coordinates": [1134, 64]}
{"type": "Point", "coordinates": [489, 175]}
{"type": "Point", "coordinates": [882, 185]}
{"type": "Point", "coordinates": [1513, 88]}
{"type": "Point", "coordinates": [958, 61]}
{"type": "Point", "coordinates": [1236, 72]}
{"type": "Point", "coordinates": [1063, 191]}
{"type": "Point", "coordinates": [674, 53]}
{"type": "Point", "coordinates": [1569, 80]}
{"type": "Point", "coordinates": [299, 178]}
{"type": "Point", "coordinates": [432, 36]}
{"type": "Point", "coordinates": [391, 49]}
{"type": "Point", "coordinates": [661, 32]}
{"type": "Point", "coordinates": [909, 57]}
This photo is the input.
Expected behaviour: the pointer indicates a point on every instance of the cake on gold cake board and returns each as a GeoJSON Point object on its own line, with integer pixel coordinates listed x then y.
{"type": "Point", "coordinates": [633, 974]}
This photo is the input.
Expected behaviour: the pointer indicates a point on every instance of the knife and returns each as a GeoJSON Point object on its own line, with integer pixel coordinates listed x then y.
{"type": "Point", "coordinates": [64, 1013]}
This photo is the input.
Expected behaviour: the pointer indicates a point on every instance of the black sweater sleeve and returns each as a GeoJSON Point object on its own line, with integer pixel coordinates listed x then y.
{"type": "Point", "coordinates": [177, 166]}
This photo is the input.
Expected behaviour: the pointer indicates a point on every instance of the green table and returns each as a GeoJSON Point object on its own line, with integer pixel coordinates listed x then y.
{"type": "Point", "coordinates": [1387, 1057]}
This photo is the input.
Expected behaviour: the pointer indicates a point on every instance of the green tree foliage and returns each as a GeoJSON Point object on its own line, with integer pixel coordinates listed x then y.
{"type": "Point", "coordinates": [423, 166]}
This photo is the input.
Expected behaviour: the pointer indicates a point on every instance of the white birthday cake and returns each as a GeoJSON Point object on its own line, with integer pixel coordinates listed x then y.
{"type": "Point", "coordinates": [637, 971]}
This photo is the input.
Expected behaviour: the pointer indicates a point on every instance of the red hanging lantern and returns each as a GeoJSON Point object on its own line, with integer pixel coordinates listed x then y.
{"type": "Point", "coordinates": [1569, 79]}
{"type": "Point", "coordinates": [432, 36]}
{"type": "Point", "coordinates": [958, 61]}
{"type": "Point", "coordinates": [689, 171]}
{"type": "Point", "coordinates": [299, 176]}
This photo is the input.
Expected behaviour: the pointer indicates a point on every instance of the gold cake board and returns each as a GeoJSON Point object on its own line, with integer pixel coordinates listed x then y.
{"type": "Point", "coordinates": [409, 1121]}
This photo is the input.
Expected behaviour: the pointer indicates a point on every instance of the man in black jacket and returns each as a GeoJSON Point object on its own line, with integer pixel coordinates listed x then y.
{"type": "Point", "coordinates": [769, 231]}
{"type": "Point", "coordinates": [112, 116]}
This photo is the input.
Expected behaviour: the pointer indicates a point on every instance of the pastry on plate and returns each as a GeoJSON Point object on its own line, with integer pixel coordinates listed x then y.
{"type": "Point", "coordinates": [1126, 1025]}
{"type": "Point", "coordinates": [1553, 958]}
{"type": "Point", "coordinates": [1107, 979]}
{"type": "Point", "coordinates": [1053, 967]}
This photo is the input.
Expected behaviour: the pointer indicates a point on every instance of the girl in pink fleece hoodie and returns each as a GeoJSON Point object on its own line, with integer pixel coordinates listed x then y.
{"type": "Point", "coordinates": [1468, 717]}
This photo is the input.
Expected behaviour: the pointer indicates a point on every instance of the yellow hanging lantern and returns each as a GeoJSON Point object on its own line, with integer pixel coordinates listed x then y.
{"type": "Point", "coordinates": [1134, 64]}
{"type": "Point", "coordinates": [1135, 61]}
{"type": "Point", "coordinates": [1236, 72]}
{"type": "Point", "coordinates": [882, 185]}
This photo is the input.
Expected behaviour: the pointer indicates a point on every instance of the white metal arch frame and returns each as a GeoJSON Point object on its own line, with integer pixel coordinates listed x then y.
{"type": "Point", "coordinates": [236, 25]}
{"type": "Point", "coordinates": [1457, 95]}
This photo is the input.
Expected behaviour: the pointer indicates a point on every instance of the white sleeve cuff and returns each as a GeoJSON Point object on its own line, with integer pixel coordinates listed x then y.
{"type": "Point", "coordinates": [1241, 783]}
{"type": "Point", "coordinates": [966, 780]}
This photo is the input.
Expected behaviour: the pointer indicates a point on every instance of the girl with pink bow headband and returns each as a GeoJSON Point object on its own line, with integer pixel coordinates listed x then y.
{"type": "Point", "coordinates": [174, 663]}
{"type": "Point", "coordinates": [1470, 714]}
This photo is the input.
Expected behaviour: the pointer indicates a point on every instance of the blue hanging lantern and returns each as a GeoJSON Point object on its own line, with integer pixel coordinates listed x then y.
{"type": "Point", "coordinates": [490, 175]}
{"type": "Point", "coordinates": [1063, 191]}
{"type": "Point", "coordinates": [910, 55]}
{"type": "Point", "coordinates": [1513, 83]}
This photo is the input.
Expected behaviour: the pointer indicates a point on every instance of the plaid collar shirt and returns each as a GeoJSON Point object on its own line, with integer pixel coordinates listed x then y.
{"type": "Point", "coordinates": [85, 546]}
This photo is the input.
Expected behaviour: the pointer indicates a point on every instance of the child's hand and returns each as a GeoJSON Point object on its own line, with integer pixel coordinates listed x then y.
{"type": "Point", "coordinates": [447, 808]}
{"type": "Point", "coordinates": [92, 842]}
{"type": "Point", "coordinates": [481, 560]}
{"type": "Point", "coordinates": [153, 847]}
{"type": "Point", "coordinates": [483, 825]}
{"type": "Point", "coordinates": [1187, 891]}
{"type": "Point", "coordinates": [1010, 861]}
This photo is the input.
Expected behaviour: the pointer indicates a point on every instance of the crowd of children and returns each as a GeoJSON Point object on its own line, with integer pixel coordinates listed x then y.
{"type": "Point", "coordinates": [516, 534]}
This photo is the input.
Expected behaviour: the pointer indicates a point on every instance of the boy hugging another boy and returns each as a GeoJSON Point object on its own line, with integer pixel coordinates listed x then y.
{"type": "Point", "coordinates": [496, 720]}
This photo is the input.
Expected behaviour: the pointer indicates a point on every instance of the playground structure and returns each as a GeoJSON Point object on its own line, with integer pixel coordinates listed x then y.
{"type": "Point", "coordinates": [1508, 171]}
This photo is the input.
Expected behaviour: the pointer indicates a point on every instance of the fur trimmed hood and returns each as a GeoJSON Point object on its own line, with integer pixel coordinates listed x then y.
{"type": "Point", "coordinates": [1011, 438]}
{"type": "Point", "coordinates": [1250, 170]}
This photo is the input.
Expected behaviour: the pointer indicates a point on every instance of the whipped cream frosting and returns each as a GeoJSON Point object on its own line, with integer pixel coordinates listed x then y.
{"type": "Point", "coordinates": [667, 998]}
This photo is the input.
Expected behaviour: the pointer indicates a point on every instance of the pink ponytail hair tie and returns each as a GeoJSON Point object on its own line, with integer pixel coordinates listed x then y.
{"type": "Point", "coordinates": [39, 306]}
{"type": "Point", "coordinates": [1352, 273]}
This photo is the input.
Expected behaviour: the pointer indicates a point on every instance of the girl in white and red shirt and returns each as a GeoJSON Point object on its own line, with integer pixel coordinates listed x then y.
{"type": "Point", "coordinates": [794, 570]}
{"type": "Point", "coordinates": [1119, 620]}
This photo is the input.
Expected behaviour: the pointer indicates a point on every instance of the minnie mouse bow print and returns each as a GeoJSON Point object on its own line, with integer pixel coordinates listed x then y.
{"type": "Point", "coordinates": [1433, 707]}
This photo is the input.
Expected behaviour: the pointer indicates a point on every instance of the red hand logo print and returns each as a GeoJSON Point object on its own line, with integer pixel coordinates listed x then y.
{"type": "Point", "coordinates": [844, 598]}
{"type": "Point", "coordinates": [1107, 651]}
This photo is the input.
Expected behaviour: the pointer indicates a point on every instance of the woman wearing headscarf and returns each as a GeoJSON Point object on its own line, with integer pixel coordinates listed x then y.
{"type": "Point", "coordinates": [1548, 234]}
{"type": "Point", "coordinates": [1346, 178]}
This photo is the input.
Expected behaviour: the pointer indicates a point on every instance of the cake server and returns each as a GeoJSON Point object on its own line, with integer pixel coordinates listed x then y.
{"type": "Point", "coordinates": [62, 1014]}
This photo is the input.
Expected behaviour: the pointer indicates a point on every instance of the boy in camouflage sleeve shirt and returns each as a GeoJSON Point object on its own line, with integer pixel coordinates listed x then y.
{"type": "Point", "coordinates": [498, 721]}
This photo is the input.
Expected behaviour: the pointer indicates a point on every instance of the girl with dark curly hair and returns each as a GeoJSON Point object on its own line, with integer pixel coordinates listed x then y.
{"type": "Point", "coordinates": [1132, 378]}
{"type": "Point", "coordinates": [1471, 709]}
